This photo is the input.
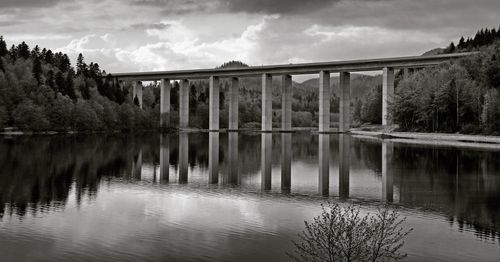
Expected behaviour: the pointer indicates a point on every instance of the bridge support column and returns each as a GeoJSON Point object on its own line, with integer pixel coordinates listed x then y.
{"type": "Point", "coordinates": [286, 162]}
{"type": "Point", "coordinates": [345, 102]}
{"type": "Point", "coordinates": [234, 96]}
{"type": "Point", "coordinates": [387, 95]}
{"type": "Point", "coordinates": [214, 104]}
{"type": "Point", "coordinates": [324, 164]}
{"type": "Point", "coordinates": [266, 155]}
{"type": "Point", "coordinates": [324, 101]}
{"type": "Point", "coordinates": [387, 174]}
{"type": "Point", "coordinates": [286, 103]}
{"type": "Point", "coordinates": [213, 158]}
{"type": "Point", "coordinates": [164, 158]}
{"type": "Point", "coordinates": [233, 155]}
{"type": "Point", "coordinates": [164, 103]}
{"type": "Point", "coordinates": [184, 103]}
{"type": "Point", "coordinates": [137, 92]}
{"type": "Point", "coordinates": [344, 164]}
{"type": "Point", "coordinates": [267, 103]}
{"type": "Point", "coordinates": [183, 157]}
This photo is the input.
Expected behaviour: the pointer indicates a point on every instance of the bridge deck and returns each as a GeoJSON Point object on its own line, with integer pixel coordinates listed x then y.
{"type": "Point", "coordinates": [295, 69]}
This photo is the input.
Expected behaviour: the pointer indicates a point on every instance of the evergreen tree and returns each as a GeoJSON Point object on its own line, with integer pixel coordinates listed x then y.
{"type": "Point", "coordinates": [23, 51]}
{"type": "Point", "coordinates": [13, 54]}
{"type": "Point", "coordinates": [49, 57]}
{"type": "Point", "coordinates": [35, 53]}
{"type": "Point", "coordinates": [461, 43]}
{"type": "Point", "coordinates": [3, 47]}
{"type": "Point", "coordinates": [37, 70]}
{"type": "Point", "coordinates": [81, 67]}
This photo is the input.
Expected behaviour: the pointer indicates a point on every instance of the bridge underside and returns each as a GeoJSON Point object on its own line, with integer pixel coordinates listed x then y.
{"type": "Point", "coordinates": [344, 68]}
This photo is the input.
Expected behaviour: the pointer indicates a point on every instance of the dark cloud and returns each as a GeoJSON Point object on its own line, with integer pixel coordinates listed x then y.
{"type": "Point", "coordinates": [158, 26]}
{"type": "Point", "coordinates": [179, 6]}
{"type": "Point", "coordinates": [244, 6]}
{"type": "Point", "coordinates": [27, 3]}
{"type": "Point", "coordinates": [277, 6]}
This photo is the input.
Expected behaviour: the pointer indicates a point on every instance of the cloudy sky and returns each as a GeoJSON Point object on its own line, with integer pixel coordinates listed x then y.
{"type": "Point", "coordinates": [143, 35]}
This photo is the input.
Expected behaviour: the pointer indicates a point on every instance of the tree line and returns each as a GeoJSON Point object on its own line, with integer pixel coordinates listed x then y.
{"type": "Point", "coordinates": [40, 90]}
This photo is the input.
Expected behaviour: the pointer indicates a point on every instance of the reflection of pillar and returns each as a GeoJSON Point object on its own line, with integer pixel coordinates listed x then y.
{"type": "Point", "coordinates": [213, 158]}
{"type": "Point", "coordinates": [137, 166]}
{"type": "Point", "coordinates": [164, 158]}
{"type": "Point", "coordinates": [286, 161]}
{"type": "Point", "coordinates": [324, 164]}
{"type": "Point", "coordinates": [183, 157]}
{"type": "Point", "coordinates": [267, 103]}
{"type": "Point", "coordinates": [266, 151]}
{"type": "Point", "coordinates": [324, 101]}
{"type": "Point", "coordinates": [344, 164]}
{"type": "Point", "coordinates": [286, 103]}
{"type": "Point", "coordinates": [387, 94]}
{"type": "Point", "coordinates": [164, 103]}
{"type": "Point", "coordinates": [233, 172]}
{"type": "Point", "coordinates": [234, 96]}
{"type": "Point", "coordinates": [184, 103]}
{"type": "Point", "coordinates": [137, 91]}
{"type": "Point", "coordinates": [345, 102]}
{"type": "Point", "coordinates": [214, 94]}
{"type": "Point", "coordinates": [387, 173]}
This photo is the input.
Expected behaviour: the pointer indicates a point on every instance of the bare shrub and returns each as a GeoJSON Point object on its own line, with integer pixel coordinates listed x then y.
{"type": "Point", "coordinates": [342, 234]}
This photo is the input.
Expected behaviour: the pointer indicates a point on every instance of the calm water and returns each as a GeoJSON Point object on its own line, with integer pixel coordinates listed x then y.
{"type": "Point", "coordinates": [152, 198]}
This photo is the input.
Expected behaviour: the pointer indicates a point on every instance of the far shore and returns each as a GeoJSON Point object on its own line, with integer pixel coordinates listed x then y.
{"type": "Point", "coordinates": [406, 137]}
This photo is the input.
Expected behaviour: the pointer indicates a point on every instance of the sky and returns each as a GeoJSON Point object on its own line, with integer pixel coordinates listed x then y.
{"type": "Point", "coordinates": [148, 35]}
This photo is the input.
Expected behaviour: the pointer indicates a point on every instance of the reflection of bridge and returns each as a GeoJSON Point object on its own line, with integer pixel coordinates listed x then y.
{"type": "Point", "coordinates": [232, 175]}
{"type": "Point", "coordinates": [387, 65]}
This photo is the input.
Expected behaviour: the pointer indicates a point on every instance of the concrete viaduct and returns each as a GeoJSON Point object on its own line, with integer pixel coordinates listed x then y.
{"type": "Point", "coordinates": [324, 69]}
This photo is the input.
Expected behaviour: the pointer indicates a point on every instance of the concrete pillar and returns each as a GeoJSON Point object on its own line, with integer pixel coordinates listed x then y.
{"type": "Point", "coordinates": [164, 158]}
{"type": "Point", "coordinates": [164, 103]}
{"type": "Point", "coordinates": [387, 94]}
{"type": "Point", "coordinates": [286, 103]}
{"type": "Point", "coordinates": [324, 164]}
{"type": "Point", "coordinates": [267, 103]}
{"type": "Point", "coordinates": [345, 102]}
{"type": "Point", "coordinates": [183, 157]}
{"type": "Point", "coordinates": [387, 173]}
{"type": "Point", "coordinates": [137, 92]}
{"type": "Point", "coordinates": [184, 104]}
{"type": "Point", "coordinates": [233, 171]}
{"type": "Point", "coordinates": [137, 166]}
{"type": "Point", "coordinates": [213, 157]}
{"type": "Point", "coordinates": [286, 162]}
{"type": "Point", "coordinates": [344, 164]}
{"type": "Point", "coordinates": [234, 96]}
{"type": "Point", "coordinates": [324, 101]}
{"type": "Point", "coordinates": [214, 104]}
{"type": "Point", "coordinates": [266, 155]}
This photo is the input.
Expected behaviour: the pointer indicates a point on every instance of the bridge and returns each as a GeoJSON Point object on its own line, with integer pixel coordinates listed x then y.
{"type": "Point", "coordinates": [323, 69]}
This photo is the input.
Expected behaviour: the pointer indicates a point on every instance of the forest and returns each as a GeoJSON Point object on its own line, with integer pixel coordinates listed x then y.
{"type": "Point", "coordinates": [41, 91]}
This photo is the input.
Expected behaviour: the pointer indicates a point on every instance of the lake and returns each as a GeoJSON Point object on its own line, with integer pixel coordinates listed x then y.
{"type": "Point", "coordinates": [235, 197]}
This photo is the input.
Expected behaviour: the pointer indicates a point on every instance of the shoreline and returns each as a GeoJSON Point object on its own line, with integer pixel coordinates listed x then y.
{"type": "Point", "coordinates": [417, 138]}
{"type": "Point", "coordinates": [431, 136]}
